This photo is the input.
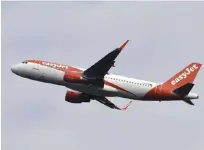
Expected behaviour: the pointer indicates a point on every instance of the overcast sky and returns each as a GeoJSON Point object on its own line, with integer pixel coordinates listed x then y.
{"type": "Point", "coordinates": [165, 37]}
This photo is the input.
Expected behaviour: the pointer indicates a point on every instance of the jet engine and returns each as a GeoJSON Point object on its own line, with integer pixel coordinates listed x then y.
{"type": "Point", "coordinates": [76, 97]}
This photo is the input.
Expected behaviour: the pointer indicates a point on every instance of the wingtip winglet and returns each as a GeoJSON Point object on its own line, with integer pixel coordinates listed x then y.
{"type": "Point", "coordinates": [126, 106]}
{"type": "Point", "coordinates": [123, 45]}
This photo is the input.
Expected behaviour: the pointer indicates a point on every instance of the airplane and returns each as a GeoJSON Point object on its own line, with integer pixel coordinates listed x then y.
{"type": "Point", "coordinates": [96, 83]}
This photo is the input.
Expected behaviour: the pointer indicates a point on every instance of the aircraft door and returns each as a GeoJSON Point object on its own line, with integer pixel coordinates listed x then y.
{"type": "Point", "coordinates": [37, 70]}
{"type": "Point", "coordinates": [158, 89]}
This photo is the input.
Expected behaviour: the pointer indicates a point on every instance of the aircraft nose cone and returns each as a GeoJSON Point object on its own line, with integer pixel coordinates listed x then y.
{"type": "Point", "coordinates": [14, 69]}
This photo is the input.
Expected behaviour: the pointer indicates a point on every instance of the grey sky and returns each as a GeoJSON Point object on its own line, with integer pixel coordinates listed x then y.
{"type": "Point", "coordinates": [165, 37]}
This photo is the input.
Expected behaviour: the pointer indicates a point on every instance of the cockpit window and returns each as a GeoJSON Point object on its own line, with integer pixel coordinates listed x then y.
{"type": "Point", "coordinates": [24, 62]}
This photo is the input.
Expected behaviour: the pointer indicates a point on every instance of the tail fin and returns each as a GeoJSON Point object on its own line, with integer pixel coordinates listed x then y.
{"type": "Point", "coordinates": [184, 78]}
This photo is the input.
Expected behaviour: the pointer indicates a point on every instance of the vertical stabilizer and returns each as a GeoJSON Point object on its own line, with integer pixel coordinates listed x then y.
{"type": "Point", "coordinates": [183, 78]}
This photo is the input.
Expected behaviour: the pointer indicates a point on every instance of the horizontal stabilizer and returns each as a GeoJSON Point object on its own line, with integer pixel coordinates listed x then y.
{"type": "Point", "coordinates": [185, 89]}
{"type": "Point", "coordinates": [188, 102]}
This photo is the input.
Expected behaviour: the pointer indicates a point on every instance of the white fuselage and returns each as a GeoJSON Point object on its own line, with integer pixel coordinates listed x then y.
{"type": "Point", "coordinates": [115, 85]}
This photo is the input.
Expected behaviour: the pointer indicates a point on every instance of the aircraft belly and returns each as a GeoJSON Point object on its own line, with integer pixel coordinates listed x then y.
{"type": "Point", "coordinates": [132, 91]}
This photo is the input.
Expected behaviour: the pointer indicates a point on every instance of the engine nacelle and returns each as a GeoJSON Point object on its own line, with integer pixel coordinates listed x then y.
{"type": "Point", "coordinates": [73, 77]}
{"type": "Point", "coordinates": [76, 97]}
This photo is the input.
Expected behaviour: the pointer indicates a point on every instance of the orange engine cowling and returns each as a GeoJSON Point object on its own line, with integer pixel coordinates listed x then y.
{"type": "Point", "coordinates": [76, 97]}
{"type": "Point", "coordinates": [73, 76]}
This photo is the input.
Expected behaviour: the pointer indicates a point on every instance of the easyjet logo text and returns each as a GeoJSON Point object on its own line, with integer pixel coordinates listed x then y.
{"type": "Point", "coordinates": [54, 65]}
{"type": "Point", "coordinates": [184, 75]}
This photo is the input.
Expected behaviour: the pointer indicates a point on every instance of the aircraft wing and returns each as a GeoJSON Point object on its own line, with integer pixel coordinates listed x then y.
{"type": "Point", "coordinates": [101, 68]}
{"type": "Point", "coordinates": [108, 103]}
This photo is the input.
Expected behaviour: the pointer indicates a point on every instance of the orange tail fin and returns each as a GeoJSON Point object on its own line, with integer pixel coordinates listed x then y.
{"type": "Point", "coordinates": [187, 75]}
